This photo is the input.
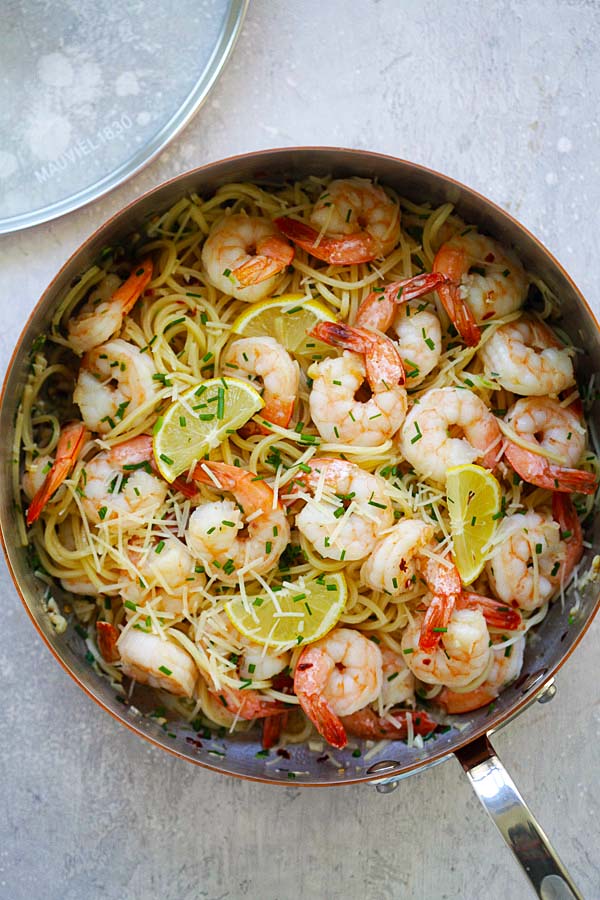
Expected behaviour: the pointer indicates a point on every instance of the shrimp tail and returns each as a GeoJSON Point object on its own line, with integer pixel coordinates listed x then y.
{"type": "Point", "coordinates": [378, 308]}
{"type": "Point", "coordinates": [325, 721]}
{"type": "Point", "coordinates": [271, 730]}
{"type": "Point", "coordinates": [131, 290]}
{"type": "Point", "coordinates": [368, 725]}
{"type": "Point", "coordinates": [70, 444]}
{"type": "Point", "coordinates": [309, 693]}
{"type": "Point", "coordinates": [345, 250]}
{"type": "Point", "coordinates": [564, 512]}
{"type": "Point", "coordinates": [536, 469]}
{"type": "Point", "coordinates": [383, 363]}
{"type": "Point", "coordinates": [435, 622]}
{"type": "Point", "coordinates": [460, 315]}
{"type": "Point", "coordinates": [496, 613]}
{"type": "Point", "coordinates": [225, 477]}
{"type": "Point", "coordinates": [445, 584]}
{"type": "Point", "coordinates": [452, 262]}
{"type": "Point", "coordinates": [107, 636]}
{"type": "Point", "coordinates": [272, 256]}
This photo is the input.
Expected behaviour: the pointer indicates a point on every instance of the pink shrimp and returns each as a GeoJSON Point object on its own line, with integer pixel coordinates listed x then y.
{"type": "Point", "coordinates": [102, 316]}
{"type": "Point", "coordinates": [334, 678]}
{"type": "Point", "coordinates": [335, 237]}
{"type": "Point", "coordinates": [212, 533]}
{"type": "Point", "coordinates": [383, 364]}
{"type": "Point", "coordinates": [453, 263]}
{"type": "Point", "coordinates": [70, 444]}
{"type": "Point", "coordinates": [368, 725]}
{"type": "Point", "coordinates": [506, 666]}
{"type": "Point", "coordinates": [378, 309]}
{"type": "Point", "coordinates": [445, 585]}
{"type": "Point", "coordinates": [246, 703]}
{"type": "Point", "coordinates": [543, 421]}
{"type": "Point", "coordinates": [107, 636]}
{"type": "Point", "coordinates": [272, 728]}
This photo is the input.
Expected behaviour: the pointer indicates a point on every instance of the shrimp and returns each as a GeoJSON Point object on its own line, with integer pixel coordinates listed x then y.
{"type": "Point", "coordinates": [212, 533]}
{"type": "Point", "coordinates": [112, 378]}
{"type": "Point", "coordinates": [484, 282]}
{"type": "Point", "coordinates": [428, 446]}
{"type": "Point", "coordinates": [265, 358]}
{"type": "Point", "coordinates": [416, 325]}
{"type": "Point", "coordinates": [103, 313]}
{"type": "Point", "coordinates": [419, 336]}
{"type": "Point", "coordinates": [165, 568]}
{"type": "Point", "coordinates": [543, 421]}
{"type": "Point", "coordinates": [340, 417]}
{"type": "Point", "coordinates": [506, 667]}
{"type": "Point", "coordinates": [398, 684]}
{"type": "Point", "coordinates": [354, 221]}
{"type": "Point", "coordinates": [396, 560]}
{"type": "Point", "coordinates": [244, 257]}
{"type": "Point", "coordinates": [347, 511]}
{"type": "Point", "coordinates": [337, 676]}
{"type": "Point", "coordinates": [369, 726]}
{"type": "Point", "coordinates": [119, 484]}
{"type": "Point", "coordinates": [535, 554]}
{"type": "Point", "coordinates": [107, 636]}
{"type": "Point", "coordinates": [463, 656]}
{"type": "Point", "coordinates": [149, 659]}
{"type": "Point", "coordinates": [527, 358]}
{"type": "Point", "coordinates": [378, 309]}
{"type": "Point", "coordinates": [246, 704]}
{"type": "Point", "coordinates": [247, 661]}
{"type": "Point", "coordinates": [72, 438]}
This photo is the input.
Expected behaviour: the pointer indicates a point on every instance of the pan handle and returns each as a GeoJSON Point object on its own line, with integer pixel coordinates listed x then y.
{"type": "Point", "coordinates": [515, 822]}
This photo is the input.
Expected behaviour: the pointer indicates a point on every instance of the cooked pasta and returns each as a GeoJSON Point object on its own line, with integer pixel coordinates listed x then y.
{"type": "Point", "coordinates": [426, 334]}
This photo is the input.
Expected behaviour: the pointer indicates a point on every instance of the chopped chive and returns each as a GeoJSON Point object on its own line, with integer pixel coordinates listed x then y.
{"type": "Point", "coordinates": [102, 511]}
{"type": "Point", "coordinates": [418, 434]}
{"type": "Point", "coordinates": [166, 459]}
{"type": "Point", "coordinates": [164, 670]}
{"type": "Point", "coordinates": [159, 547]}
{"type": "Point", "coordinates": [130, 605]}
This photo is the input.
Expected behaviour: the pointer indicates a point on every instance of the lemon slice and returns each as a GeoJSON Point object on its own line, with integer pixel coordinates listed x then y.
{"type": "Point", "coordinates": [199, 420]}
{"type": "Point", "coordinates": [288, 319]}
{"type": "Point", "coordinates": [300, 613]}
{"type": "Point", "coordinates": [474, 505]}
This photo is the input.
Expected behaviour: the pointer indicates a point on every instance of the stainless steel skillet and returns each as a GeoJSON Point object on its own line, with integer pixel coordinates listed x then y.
{"type": "Point", "coordinates": [240, 755]}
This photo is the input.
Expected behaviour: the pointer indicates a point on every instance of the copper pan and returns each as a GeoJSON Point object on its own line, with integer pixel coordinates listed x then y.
{"type": "Point", "coordinates": [471, 744]}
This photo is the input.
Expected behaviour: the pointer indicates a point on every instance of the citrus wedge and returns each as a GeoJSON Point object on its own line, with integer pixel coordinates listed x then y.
{"type": "Point", "coordinates": [474, 503]}
{"type": "Point", "coordinates": [299, 613]}
{"type": "Point", "coordinates": [199, 420]}
{"type": "Point", "coordinates": [288, 319]}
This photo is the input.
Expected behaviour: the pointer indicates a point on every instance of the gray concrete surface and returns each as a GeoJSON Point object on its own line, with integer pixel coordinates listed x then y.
{"type": "Point", "coordinates": [504, 96]}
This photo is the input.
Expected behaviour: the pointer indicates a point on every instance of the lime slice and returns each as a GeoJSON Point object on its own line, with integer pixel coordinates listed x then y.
{"type": "Point", "coordinates": [199, 420]}
{"type": "Point", "coordinates": [301, 613]}
{"type": "Point", "coordinates": [288, 319]}
{"type": "Point", "coordinates": [474, 504]}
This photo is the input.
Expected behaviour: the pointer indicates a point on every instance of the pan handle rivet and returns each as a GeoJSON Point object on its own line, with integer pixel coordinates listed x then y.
{"type": "Point", "coordinates": [548, 693]}
{"type": "Point", "coordinates": [380, 768]}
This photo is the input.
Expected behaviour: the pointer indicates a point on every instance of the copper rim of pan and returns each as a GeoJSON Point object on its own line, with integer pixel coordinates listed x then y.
{"type": "Point", "coordinates": [494, 722]}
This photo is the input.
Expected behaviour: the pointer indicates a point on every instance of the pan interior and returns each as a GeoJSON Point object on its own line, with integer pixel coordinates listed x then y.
{"type": "Point", "coordinates": [241, 754]}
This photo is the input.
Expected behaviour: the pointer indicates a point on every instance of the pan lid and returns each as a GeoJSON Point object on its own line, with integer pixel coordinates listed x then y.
{"type": "Point", "coordinates": [90, 92]}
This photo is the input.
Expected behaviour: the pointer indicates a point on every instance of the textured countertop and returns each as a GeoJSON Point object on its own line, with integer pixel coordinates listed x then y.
{"type": "Point", "coordinates": [502, 96]}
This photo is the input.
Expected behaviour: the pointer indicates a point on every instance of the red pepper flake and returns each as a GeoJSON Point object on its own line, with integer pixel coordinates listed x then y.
{"type": "Point", "coordinates": [488, 315]}
{"type": "Point", "coordinates": [304, 666]}
{"type": "Point", "coordinates": [282, 752]}
{"type": "Point", "coordinates": [194, 742]}
{"type": "Point", "coordinates": [426, 662]}
{"type": "Point", "coordinates": [490, 257]}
